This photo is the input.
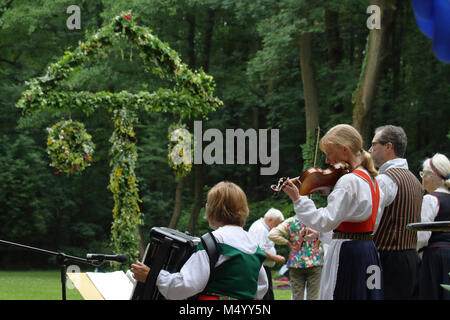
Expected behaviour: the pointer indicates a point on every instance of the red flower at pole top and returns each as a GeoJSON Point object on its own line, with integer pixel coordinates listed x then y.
{"type": "Point", "coordinates": [127, 16]}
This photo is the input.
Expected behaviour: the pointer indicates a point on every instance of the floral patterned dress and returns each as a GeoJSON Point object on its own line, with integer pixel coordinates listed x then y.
{"type": "Point", "coordinates": [303, 253]}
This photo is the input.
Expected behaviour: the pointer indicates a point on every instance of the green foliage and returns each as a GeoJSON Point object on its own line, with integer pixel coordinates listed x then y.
{"type": "Point", "coordinates": [258, 209]}
{"type": "Point", "coordinates": [192, 96]}
{"type": "Point", "coordinates": [23, 177]}
{"type": "Point", "coordinates": [44, 210]}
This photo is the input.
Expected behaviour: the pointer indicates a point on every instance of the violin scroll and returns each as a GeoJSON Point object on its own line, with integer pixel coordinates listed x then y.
{"type": "Point", "coordinates": [316, 179]}
{"type": "Point", "coordinates": [279, 186]}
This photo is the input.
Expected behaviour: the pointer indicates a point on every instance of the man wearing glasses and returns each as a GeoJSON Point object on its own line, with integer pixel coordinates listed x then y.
{"type": "Point", "coordinates": [396, 244]}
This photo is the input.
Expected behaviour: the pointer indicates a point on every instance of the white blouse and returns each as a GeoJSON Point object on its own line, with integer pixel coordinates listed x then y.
{"type": "Point", "coordinates": [430, 209]}
{"type": "Point", "coordinates": [350, 200]}
{"type": "Point", "coordinates": [194, 275]}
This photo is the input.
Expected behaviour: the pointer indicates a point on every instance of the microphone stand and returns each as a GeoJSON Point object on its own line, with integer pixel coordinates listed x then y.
{"type": "Point", "coordinates": [62, 259]}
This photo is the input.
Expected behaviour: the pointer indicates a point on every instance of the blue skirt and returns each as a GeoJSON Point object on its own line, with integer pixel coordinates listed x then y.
{"type": "Point", "coordinates": [434, 271]}
{"type": "Point", "coordinates": [359, 274]}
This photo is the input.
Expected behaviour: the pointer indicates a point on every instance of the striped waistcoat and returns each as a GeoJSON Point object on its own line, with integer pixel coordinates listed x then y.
{"type": "Point", "coordinates": [392, 234]}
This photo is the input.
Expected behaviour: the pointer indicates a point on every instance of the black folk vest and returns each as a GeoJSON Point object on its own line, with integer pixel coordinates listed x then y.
{"type": "Point", "coordinates": [442, 215]}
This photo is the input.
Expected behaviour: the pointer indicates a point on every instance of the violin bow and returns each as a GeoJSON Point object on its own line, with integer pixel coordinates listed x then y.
{"type": "Point", "coordinates": [317, 241]}
{"type": "Point", "coordinates": [316, 150]}
{"type": "Point", "coordinates": [317, 146]}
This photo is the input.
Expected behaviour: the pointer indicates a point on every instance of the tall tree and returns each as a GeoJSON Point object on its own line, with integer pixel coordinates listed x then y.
{"type": "Point", "coordinates": [372, 68]}
{"type": "Point", "coordinates": [335, 52]}
{"type": "Point", "coordinates": [198, 168]}
{"type": "Point", "coordinates": [309, 85]}
{"type": "Point", "coordinates": [190, 17]}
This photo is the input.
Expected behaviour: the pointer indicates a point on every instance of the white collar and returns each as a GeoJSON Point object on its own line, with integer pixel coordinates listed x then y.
{"type": "Point", "coordinates": [394, 163]}
{"type": "Point", "coordinates": [264, 224]}
{"type": "Point", "coordinates": [441, 190]}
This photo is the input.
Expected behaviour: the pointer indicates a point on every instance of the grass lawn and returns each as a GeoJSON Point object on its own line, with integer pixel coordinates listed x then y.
{"type": "Point", "coordinates": [34, 285]}
{"type": "Point", "coordinates": [282, 294]}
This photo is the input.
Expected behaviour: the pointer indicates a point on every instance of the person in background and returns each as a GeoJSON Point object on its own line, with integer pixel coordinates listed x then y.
{"type": "Point", "coordinates": [238, 273]}
{"type": "Point", "coordinates": [403, 192]}
{"type": "Point", "coordinates": [305, 257]}
{"type": "Point", "coordinates": [435, 267]}
{"type": "Point", "coordinates": [259, 230]}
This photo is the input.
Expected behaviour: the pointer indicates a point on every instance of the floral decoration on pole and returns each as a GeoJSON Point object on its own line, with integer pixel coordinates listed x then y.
{"type": "Point", "coordinates": [70, 147]}
{"type": "Point", "coordinates": [180, 149]}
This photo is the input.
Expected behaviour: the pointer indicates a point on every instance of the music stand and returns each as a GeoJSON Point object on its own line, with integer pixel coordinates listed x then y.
{"type": "Point", "coordinates": [61, 257]}
{"type": "Point", "coordinates": [441, 226]}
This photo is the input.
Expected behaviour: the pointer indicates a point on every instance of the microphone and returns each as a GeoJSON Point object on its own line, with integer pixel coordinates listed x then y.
{"type": "Point", "coordinates": [101, 257]}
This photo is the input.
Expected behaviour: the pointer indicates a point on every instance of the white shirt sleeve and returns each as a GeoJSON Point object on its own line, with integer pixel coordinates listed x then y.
{"type": "Point", "coordinates": [350, 200]}
{"type": "Point", "coordinates": [191, 280]}
{"type": "Point", "coordinates": [389, 188]}
{"type": "Point", "coordinates": [430, 209]}
{"type": "Point", "coordinates": [261, 236]}
{"type": "Point", "coordinates": [263, 284]}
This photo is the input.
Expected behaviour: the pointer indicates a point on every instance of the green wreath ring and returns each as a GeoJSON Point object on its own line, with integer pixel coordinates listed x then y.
{"type": "Point", "coordinates": [70, 147]}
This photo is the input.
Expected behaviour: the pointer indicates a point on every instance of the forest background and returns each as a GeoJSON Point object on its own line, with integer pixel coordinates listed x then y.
{"type": "Point", "coordinates": [290, 65]}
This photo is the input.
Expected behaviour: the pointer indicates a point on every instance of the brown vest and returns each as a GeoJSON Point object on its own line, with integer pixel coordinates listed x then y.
{"type": "Point", "coordinates": [392, 234]}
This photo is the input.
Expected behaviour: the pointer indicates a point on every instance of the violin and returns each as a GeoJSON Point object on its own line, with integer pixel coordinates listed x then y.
{"type": "Point", "coordinates": [316, 179]}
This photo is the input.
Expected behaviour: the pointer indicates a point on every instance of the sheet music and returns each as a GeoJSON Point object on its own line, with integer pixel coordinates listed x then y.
{"type": "Point", "coordinates": [112, 285]}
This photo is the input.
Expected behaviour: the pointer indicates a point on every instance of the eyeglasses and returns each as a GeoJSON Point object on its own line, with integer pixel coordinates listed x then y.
{"type": "Point", "coordinates": [375, 143]}
{"type": "Point", "coordinates": [422, 173]}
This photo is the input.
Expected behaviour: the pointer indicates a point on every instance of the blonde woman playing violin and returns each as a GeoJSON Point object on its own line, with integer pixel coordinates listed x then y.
{"type": "Point", "coordinates": [352, 267]}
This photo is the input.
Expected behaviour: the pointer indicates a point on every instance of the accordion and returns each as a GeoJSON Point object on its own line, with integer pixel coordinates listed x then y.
{"type": "Point", "coordinates": [168, 249]}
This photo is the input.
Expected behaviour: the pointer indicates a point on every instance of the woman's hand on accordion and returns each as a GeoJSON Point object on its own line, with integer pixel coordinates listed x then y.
{"type": "Point", "coordinates": [140, 271]}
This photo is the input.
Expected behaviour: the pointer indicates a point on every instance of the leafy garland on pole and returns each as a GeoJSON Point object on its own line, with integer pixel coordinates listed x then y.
{"type": "Point", "coordinates": [123, 183]}
{"type": "Point", "coordinates": [191, 96]}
